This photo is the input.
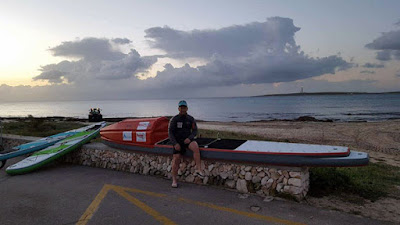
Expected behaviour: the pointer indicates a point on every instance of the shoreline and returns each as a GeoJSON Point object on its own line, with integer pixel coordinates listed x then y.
{"type": "Point", "coordinates": [118, 119]}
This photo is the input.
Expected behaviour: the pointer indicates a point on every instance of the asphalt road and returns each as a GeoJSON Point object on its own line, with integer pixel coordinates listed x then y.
{"type": "Point", "coordinates": [71, 194]}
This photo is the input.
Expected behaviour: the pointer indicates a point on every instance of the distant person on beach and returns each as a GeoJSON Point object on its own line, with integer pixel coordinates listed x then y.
{"type": "Point", "coordinates": [181, 130]}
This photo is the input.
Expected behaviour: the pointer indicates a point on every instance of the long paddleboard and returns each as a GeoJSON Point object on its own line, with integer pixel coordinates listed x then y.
{"type": "Point", "coordinates": [38, 144]}
{"type": "Point", "coordinates": [55, 151]}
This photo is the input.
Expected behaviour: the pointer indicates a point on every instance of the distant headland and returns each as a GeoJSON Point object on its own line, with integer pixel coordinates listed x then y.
{"type": "Point", "coordinates": [328, 93]}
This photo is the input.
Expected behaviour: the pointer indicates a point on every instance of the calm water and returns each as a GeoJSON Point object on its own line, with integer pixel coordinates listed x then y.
{"type": "Point", "coordinates": [336, 107]}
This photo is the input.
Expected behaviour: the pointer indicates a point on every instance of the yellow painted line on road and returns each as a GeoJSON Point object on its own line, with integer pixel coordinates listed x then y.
{"type": "Point", "coordinates": [243, 213]}
{"type": "Point", "coordinates": [153, 194]}
{"type": "Point", "coordinates": [93, 206]}
{"type": "Point", "coordinates": [123, 191]}
{"type": "Point", "coordinates": [144, 207]}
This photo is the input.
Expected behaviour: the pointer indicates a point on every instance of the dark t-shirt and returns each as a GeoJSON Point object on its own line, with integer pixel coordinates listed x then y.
{"type": "Point", "coordinates": [182, 127]}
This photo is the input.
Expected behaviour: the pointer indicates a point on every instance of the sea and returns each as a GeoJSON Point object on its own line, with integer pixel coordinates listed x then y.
{"type": "Point", "coordinates": [357, 107]}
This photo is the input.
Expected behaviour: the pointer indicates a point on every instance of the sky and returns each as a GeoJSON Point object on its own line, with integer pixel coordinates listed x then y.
{"type": "Point", "coordinates": [102, 50]}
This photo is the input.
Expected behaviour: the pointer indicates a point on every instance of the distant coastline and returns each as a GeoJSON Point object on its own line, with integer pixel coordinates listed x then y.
{"type": "Point", "coordinates": [327, 93]}
{"type": "Point", "coordinates": [344, 106]}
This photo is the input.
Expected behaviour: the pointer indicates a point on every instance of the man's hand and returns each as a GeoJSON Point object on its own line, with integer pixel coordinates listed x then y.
{"type": "Point", "coordinates": [187, 141]}
{"type": "Point", "coordinates": [177, 147]}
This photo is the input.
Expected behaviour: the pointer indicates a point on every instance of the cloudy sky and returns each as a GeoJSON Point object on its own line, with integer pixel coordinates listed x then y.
{"type": "Point", "coordinates": [74, 50]}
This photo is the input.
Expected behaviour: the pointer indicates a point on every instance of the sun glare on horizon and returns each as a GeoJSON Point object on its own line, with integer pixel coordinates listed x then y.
{"type": "Point", "coordinates": [22, 51]}
{"type": "Point", "coordinates": [10, 47]}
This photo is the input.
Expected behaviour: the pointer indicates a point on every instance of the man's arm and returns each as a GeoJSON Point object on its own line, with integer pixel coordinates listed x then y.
{"type": "Point", "coordinates": [171, 130]}
{"type": "Point", "coordinates": [194, 130]}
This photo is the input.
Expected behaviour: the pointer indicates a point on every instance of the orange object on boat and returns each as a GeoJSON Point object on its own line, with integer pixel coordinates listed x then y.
{"type": "Point", "coordinates": [138, 132]}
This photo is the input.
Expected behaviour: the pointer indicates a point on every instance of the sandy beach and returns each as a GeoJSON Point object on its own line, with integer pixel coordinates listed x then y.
{"type": "Point", "coordinates": [380, 139]}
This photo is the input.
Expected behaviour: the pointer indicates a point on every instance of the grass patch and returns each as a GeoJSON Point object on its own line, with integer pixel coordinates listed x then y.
{"type": "Point", "coordinates": [370, 182]}
{"type": "Point", "coordinates": [39, 127]}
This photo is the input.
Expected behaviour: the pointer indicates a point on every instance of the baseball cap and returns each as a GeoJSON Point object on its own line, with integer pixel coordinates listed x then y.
{"type": "Point", "coordinates": [182, 103]}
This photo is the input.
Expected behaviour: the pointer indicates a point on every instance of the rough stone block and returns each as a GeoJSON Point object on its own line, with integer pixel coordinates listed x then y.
{"type": "Point", "coordinates": [230, 183]}
{"type": "Point", "coordinates": [295, 174]}
{"type": "Point", "coordinates": [295, 182]}
{"type": "Point", "coordinates": [241, 185]}
{"type": "Point", "coordinates": [248, 176]}
{"type": "Point", "coordinates": [292, 190]}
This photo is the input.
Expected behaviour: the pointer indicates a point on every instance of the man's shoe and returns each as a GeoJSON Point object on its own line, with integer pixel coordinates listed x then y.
{"type": "Point", "coordinates": [174, 185]}
{"type": "Point", "coordinates": [199, 173]}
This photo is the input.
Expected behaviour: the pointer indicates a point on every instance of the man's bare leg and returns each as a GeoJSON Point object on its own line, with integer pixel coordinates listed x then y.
{"type": "Point", "coordinates": [176, 159]}
{"type": "Point", "coordinates": [196, 154]}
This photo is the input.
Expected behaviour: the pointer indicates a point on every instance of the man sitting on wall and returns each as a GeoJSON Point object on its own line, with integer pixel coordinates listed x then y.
{"type": "Point", "coordinates": [182, 130]}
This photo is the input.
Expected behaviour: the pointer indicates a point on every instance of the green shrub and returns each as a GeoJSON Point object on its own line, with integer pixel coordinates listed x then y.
{"type": "Point", "coordinates": [370, 182]}
{"type": "Point", "coordinates": [38, 127]}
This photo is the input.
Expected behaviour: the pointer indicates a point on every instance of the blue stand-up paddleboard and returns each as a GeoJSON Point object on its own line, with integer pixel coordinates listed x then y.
{"type": "Point", "coordinates": [39, 144]}
{"type": "Point", "coordinates": [55, 151]}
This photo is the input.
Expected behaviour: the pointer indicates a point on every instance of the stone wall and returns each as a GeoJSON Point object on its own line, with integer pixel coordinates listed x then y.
{"type": "Point", "coordinates": [246, 178]}
{"type": "Point", "coordinates": [259, 179]}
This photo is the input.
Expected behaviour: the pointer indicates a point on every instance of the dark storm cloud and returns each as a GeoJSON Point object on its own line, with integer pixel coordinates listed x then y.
{"type": "Point", "coordinates": [373, 65]}
{"type": "Point", "coordinates": [88, 49]}
{"type": "Point", "coordinates": [258, 69]}
{"type": "Point", "coordinates": [257, 53]}
{"type": "Point", "coordinates": [98, 60]}
{"type": "Point", "coordinates": [274, 35]}
{"type": "Point", "coordinates": [384, 55]}
{"type": "Point", "coordinates": [368, 72]}
{"type": "Point", "coordinates": [131, 64]}
{"type": "Point", "coordinates": [251, 53]}
{"type": "Point", "coordinates": [388, 45]}
{"type": "Point", "coordinates": [396, 54]}
{"type": "Point", "coordinates": [53, 76]}
{"type": "Point", "coordinates": [387, 41]}
{"type": "Point", "coordinates": [64, 70]}
{"type": "Point", "coordinates": [121, 41]}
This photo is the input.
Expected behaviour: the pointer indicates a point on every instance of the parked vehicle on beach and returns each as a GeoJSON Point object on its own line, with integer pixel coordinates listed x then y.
{"type": "Point", "coordinates": [95, 115]}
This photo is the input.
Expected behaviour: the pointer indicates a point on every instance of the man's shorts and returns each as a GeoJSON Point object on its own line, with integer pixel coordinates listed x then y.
{"type": "Point", "coordinates": [184, 147]}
